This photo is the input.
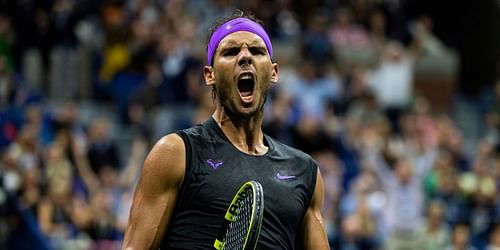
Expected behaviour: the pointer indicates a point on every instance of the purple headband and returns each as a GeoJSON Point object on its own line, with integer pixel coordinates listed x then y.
{"type": "Point", "coordinates": [234, 25]}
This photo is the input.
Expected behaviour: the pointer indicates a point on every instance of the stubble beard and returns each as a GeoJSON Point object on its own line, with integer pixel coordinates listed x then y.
{"type": "Point", "coordinates": [230, 107]}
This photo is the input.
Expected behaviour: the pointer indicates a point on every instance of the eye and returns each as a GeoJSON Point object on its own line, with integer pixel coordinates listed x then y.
{"type": "Point", "coordinates": [230, 51]}
{"type": "Point", "coordinates": [257, 50]}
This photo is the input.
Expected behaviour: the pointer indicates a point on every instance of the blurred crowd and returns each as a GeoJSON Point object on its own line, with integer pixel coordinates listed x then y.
{"type": "Point", "coordinates": [87, 87]}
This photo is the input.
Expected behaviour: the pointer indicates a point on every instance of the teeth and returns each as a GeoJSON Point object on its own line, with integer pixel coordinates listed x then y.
{"type": "Point", "coordinates": [246, 77]}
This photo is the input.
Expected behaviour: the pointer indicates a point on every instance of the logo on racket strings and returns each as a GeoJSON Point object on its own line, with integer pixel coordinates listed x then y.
{"type": "Point", "coordinates": [235, 205]}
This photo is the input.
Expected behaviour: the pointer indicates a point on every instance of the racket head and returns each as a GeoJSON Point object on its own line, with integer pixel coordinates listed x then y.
{"type": "Point", "coordinates": [243, 219]}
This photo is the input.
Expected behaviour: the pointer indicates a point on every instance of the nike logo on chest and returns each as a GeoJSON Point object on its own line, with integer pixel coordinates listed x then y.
{"type": "Point", "coordinates": [285, 177]}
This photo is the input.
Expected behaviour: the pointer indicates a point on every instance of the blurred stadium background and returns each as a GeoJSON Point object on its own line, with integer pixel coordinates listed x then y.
{"type": "Point", "coordinates": [397, 100]}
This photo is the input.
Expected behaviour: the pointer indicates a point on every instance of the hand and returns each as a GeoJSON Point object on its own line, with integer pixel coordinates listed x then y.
{"type": "Point", "coordinates": [139, 147]}
{"type": "Point", "coordinates": [79, 147]}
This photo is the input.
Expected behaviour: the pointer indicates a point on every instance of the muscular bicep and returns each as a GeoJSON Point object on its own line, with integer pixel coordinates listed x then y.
{"type": "Point", "coordinates": [156, 194]}
{"type": "Point", "coordinates": [313, 235]}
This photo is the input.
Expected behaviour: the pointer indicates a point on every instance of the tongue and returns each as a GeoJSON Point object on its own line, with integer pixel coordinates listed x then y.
{"type": "Point", "coordinates": [245, 87]}
{"type": "Point", "coordinates": [246, 93]}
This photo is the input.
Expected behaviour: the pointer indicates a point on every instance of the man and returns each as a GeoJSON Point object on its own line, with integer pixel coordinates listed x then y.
{"type": "Point", "coordinates": [190, 177]}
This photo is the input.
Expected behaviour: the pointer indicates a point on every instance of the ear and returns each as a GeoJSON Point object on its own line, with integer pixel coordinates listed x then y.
{"type": "Point", "coordinates": [275, 73]}
{"type": "Point", "coordinates": [208, 73]}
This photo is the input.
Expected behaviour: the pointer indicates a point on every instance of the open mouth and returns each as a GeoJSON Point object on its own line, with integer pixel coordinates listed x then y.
{"type": "Point", "coordinates": [246, 83]}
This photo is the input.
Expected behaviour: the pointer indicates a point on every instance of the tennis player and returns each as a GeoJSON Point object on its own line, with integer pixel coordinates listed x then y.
{"type": "Point", "coordinates": [190, 177]}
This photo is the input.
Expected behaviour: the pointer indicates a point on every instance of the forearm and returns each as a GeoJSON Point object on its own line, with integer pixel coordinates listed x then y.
{"type": "Point", "coordinates": [89, 178]}
{"type": "Point", "coordinates": [155, 195]}
{"type": "Point", "coordinates": [314, 232]}
{"type": "Point", "coordinates": [149, 218]}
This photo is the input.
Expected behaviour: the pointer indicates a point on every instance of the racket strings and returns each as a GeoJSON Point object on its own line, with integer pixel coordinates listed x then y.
{"type": "Point", "coordinates": [237, 230]}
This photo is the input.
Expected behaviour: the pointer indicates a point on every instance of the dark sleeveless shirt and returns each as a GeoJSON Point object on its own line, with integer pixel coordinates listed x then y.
{"type": "Point", "coordinates": [215, 169]}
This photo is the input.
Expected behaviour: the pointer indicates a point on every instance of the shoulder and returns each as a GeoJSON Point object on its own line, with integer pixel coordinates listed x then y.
{"type": "Point", "coordinates": [195, 130]}
{"type": "Point", "coordinates": [287, 151]}
{"type": "Point", "coordinates": [168, 143]}
{"type": "Point", "coordinates": [197, 134]}
{"type": "Point", "coordinates": [167, 159]}
{"type": "Point", "coordinates": [303, 161]}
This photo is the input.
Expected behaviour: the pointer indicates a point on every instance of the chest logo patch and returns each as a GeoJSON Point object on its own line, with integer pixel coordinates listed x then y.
{"type": "Point", "coordinates": [285, 177]}
{"type": "Point", "coordinates": [215, 164]}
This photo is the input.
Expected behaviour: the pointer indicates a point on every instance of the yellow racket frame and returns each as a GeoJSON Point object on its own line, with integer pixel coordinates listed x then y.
{"type": "Point", "coordinates": [233, 210]}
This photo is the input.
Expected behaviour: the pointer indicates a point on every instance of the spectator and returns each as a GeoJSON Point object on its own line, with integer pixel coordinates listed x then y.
{"type": "Point", "coordinates": [345, 32]}
{"type": "Point", "coordinates": [102, 151]}
{"type": "Point", "coordinates": [377, 31]}
{"type": "Point", "coordinates": [403, 214]}
{"type": "Point", "coordinates": [479, 188]}
{"type": "Point", "coordinates": [460, 239]}
{"type": "Point", "coordinates": [282, 115]}
{"type": "Point", "coordinates": [356, 233]}
{"type": "Point", "coordinates": [494, 242]}
{"type": "Point", "coordinates": [362, 208]}
{"type": "Point", "coordinates": [349, 39]}
{"type": "Point", "coordinates": [435, 233]}
{"type": "Point", "coordinates": [6, 41]}
{"type": "Point", "coordinates": [312, 91]}
{"type": "Point", "coordinates": [316, 46]}
{"type": "Point", "coordinates": [392, 81]}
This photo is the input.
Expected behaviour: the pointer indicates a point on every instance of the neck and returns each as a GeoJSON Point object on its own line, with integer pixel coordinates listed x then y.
{"type": "Point", "coordinates": [244, 133]}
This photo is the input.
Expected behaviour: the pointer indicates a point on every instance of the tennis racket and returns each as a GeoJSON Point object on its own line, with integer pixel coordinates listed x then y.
{"type": "Point", "coordinates": [243, 219]}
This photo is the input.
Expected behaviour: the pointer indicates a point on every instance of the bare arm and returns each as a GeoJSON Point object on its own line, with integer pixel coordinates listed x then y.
{"type": "Point", "coordinates": [45, 212]}
{"type": "Point", "coordinates": [156, 194]}
{"type": "Point", "coordinates": [313, 231]}
{"type": "Point", "coordinates": [89, 177]}
{"type": "Point", "coordinates": [128, 177]}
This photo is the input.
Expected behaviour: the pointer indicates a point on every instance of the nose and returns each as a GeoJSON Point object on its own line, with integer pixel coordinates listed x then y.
{"type": "Point", "coordinates": [245, 57]}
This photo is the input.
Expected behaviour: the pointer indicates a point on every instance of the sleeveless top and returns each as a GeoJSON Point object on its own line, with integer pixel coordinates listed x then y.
{"type": "Point", "coordinates": [215, 169]}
